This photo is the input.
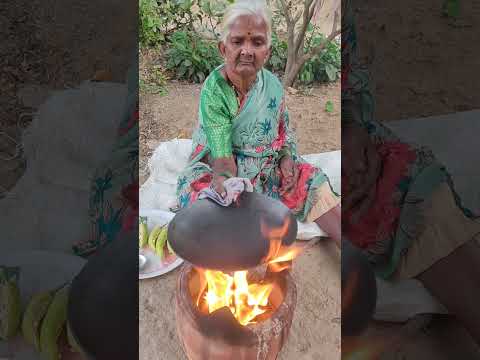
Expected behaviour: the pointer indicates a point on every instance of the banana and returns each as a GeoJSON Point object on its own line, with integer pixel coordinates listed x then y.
{"type": "Point", "coordinates": [161, 240]}
{"type": "Point", "coordinates": [142, 233]}
{"type": "Point", "coordinates": [34, 313]}
{"type": "Point", "coordinates": [53, 325]}
{"type": "Point", "coordinates": [169, 247]}
{"type": "Point", "coordinates": [10, 307]}
{"type": "Point", "coordinates": [152, 238]}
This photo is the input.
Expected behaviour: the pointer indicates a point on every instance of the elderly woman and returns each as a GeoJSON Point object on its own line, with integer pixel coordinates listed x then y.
{"type": "Point", "coordinates": [400, 206]}
{"type": "Point", "coordinates": [244, 128]}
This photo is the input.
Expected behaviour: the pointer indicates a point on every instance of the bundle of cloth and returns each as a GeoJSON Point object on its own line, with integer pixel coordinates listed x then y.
{"type": "Point", "coordinates": [69, 137]}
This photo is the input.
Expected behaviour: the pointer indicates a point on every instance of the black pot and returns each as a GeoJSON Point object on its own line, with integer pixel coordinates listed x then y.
{"type": "Point", "coordinates": [231, 238]}
{"type": "Point", "coordinates": [103, 303]}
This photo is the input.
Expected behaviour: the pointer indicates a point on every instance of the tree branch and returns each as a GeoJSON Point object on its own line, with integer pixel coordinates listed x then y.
{"type": "Point", "coordinates": [317, 50]}
{"type": "Point", "coordinates": [336, 30]}
{"type": "Point", "coordinates": [307, 16]}
{"type": "Point", "coordinates": [297, 17]}
{"type": "Point", "coordinates": [286, 11]}
{"type": "Point", "coordinates": [291, 35]}
{"type": "Point", "coordinates": [312, 8]}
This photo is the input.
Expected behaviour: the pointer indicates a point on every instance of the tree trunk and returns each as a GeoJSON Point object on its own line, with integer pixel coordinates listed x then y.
{"type": "Point", "coordinates": [292, 70]}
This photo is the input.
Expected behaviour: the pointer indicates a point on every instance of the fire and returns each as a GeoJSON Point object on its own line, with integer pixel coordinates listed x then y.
{"type": "Point", "coordinates": [247, 300]}
{"type": "Point", "coordinates": [275, 236]}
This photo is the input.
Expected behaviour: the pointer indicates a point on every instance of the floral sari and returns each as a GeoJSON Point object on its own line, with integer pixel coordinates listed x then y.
{"type": "Point", "coordinates": [257, 134]}
{"type": "Point", "coordinates": [410, 174]}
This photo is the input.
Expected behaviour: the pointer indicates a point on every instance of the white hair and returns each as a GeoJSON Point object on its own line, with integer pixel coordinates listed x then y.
{"type": "Point", "coordinates": [246, 7]}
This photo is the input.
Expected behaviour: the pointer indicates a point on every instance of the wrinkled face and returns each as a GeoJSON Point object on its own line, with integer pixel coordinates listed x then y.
{"type": "Point", "coordinates": [245, 50]}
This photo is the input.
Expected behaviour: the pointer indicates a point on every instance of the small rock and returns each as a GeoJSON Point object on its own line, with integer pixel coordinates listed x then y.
{"type": "Point", "coordinates": [153, 144]}
{"type": "Point", "coordinates": [291, 90]}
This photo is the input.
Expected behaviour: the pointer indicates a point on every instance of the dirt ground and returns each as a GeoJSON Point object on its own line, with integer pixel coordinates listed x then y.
{"type": "Point", "coordinates": [421, 63]}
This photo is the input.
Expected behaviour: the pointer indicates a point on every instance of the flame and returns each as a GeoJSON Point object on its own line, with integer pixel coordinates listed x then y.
{"type": "Point", "coordinates": [275, 235]}
{"type": "Point", "coordinates": [245, 301]}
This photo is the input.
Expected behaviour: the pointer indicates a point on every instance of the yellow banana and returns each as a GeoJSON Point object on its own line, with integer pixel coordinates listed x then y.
{"type": "Point", "coordinates": [161, 240]}
{"type": "Point", "coordinates": [53, 325]}
{"type": "Point", "coordinates": [10, 307]}
{"type": "Point", "coordinates": [152, 238]}
{"type": "Point", "coordinates": [142, 234]}
{"type": "Point", "coordinates": [169, 247]}
{"type": "Point", "coordinates": [35, 312]}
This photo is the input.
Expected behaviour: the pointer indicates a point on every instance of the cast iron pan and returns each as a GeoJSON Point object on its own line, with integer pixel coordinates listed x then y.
{"type": "Point", "coordinates": [230, 238]}
{"type": "Point", "coordinates": [103, 302]}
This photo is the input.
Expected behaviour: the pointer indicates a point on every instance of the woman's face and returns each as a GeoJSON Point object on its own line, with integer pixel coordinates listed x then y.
{"type": "Point", "coordinates": [245, 50]}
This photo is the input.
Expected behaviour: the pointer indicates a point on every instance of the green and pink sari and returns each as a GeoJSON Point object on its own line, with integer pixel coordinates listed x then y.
{"type": "Point", "coordinates": [257, 134]}
{"type": "Point", "coordinates": [410, 174]}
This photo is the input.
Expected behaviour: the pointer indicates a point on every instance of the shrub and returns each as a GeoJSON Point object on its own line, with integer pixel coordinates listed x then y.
{"type": "Point", "coordinates": [278, 58]}
{"type": "Point", "coordinates": [150, 24]}
{"type": "Point", "coordinates": [160, 18]}
{"type": "Point", "coordinates": [191, 57]}
{"type": "Point", "coordinates": [324, 67]}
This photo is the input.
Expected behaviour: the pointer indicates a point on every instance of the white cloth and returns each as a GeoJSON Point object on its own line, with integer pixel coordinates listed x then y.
{"type": "Point", "coordinates": [233, 188]}
{"type": "Point", "coordinates": [62, 147]}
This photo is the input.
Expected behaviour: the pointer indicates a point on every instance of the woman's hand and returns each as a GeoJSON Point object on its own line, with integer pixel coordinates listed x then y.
{"type": "Point", "coordinates": [217, 184]}
{"type": "Point", "coordinates": [361, 166]}
{"type": "Point", "coordinates": [289, 173]}
{"type": "Point", "coordinates": [222, 166]}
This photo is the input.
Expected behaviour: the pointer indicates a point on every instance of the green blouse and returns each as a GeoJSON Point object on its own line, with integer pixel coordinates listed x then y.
{"type": "Point", "coordinates": [218, 107]}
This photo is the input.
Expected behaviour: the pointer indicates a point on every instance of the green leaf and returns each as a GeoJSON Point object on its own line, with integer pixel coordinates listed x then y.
{"type": "Point", "coordinates": [196, 58]}
{"type": "Point", "coordinates": [201, 76]}
{"type": "Point", "coordinates": [329, 107]}
{"type": "Point", "coordinates": [181, 72]}
{"type": "Point", "coordinates": [177, 60]}
{"type": "Point", "coordinates": [331, 72]}
{"type": "Point", "coordinates": [275, 60]}
{"type": "Point", "coordinates": [187, 63]}
{"type": "Point", "coordinates": [451, 8]}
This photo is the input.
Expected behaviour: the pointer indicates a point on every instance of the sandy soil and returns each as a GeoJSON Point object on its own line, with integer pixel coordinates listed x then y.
{"type": "Point", "coordinates": [435, 76]}
{"type": "Point", "coordinates": [315, 332]}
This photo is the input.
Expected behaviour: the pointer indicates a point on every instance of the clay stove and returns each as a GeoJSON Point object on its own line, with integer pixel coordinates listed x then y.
{"type": "Point", "coordinates": [219, 335]}
{"type": "Point", "coordinates": [235, 297]}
